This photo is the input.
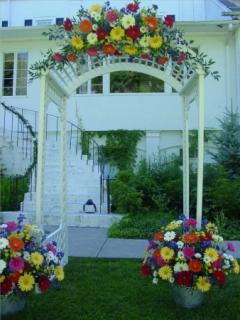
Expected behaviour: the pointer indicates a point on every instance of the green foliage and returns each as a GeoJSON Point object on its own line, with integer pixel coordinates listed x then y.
{"type": "Point", "coordinates": [226, 196]}
{"type": "Point", "coordinates": [12, 191]}
{"type": "Point", "coordinates": [125, 196]}
{"type": "Point", "coordinates": [120, 149]}
{"type": "Point", "coordinates": [228, 228]}
{"type": "Point", "coordinates": [141, 226]}
{"type": "Point", "coordinates": [228, 143]}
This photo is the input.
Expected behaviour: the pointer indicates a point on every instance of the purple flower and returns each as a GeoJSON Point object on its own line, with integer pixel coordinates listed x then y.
{"type": "Point", "coordinates": [11, 226]}
{"type": "Point", "coordinates": [52, 248]}
{"type": "Point", "coordinates": [190, 222]}
{"type": "Point", "coordinates": [231, 247]}
{"type": "Point", "coordinates": [150, 245]}
{"type": "Point", "coordinates": [16, 264]}
{"type": "Point", "coordinates": [188, 252]}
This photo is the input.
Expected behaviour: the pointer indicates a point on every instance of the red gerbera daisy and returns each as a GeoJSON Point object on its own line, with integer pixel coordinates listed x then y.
{"type": "Point", "coordinates": [6, 286]}
{"type": "Point", "coordinates": [219, 276]}
{"type": "Point", "coordinates": [133, 32]}
{"type": "Point", "coordinates": [101, 33]}
{"type": "Point", "coordinates": [43, 283]}
{"type": "Point", "coordinates": [146, 270]}
{"type": "Point", "coordinates": [184, 278]}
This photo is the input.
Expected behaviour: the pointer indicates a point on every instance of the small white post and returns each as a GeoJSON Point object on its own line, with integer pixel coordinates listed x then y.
{"type": "Point", "coordinates": [41, 151]}
{"type": "Point", "coordinates": [63, 176]}
{"type": "Point", "coordinates": [185, 158]}
{"type": "Point", "coordinates": [201, 112]}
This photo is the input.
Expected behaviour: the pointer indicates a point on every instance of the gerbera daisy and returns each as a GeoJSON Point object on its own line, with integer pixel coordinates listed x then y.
{"type": "Point", "coordinates": [195, 265]}
{"type": "Point", "coordinates": [26, 282]}
{"type": "Point", "coordinates": [167, 253]}
{"type": "Point", "coordinates": [16, 244]}
{"type": "Point", "coordinates": [77, 43]}
{"type": "Point", "coordinates": [211, 254]}
{"type": "Point", "coordinates": [36, 258]}
{"type": "Point", "coordinates": [155, 42]}
{"type": "Point", "coordinates": [165, 272]}
{"type": "Point", "coordinates": [203, 284]}
{"type": "Point", "coordinates": [59, 273]}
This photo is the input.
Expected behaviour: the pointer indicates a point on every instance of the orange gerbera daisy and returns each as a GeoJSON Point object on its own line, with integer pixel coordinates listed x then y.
{"type": "Point", "coordinates": [195, 265]}
{"type": "Point", "coordinates": [151, 23]}
{"type": "Point", "coordinates": [16, 244]}
{"type": "Point", "coordinates": [109, 49]}
{"type": "Point", "coordinates": [158, 236]}
{"type": "Point", "coordinates": [85, 26]}
{"type": "Point", "coordinates": [163, 60]}
{"type": "Point", "coordinates": [190, 237]}
{"type": "Point", "coordinates": [72, 58]}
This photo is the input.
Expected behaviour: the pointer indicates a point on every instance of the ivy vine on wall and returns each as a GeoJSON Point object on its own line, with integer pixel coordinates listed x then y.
{"type": "Point", "coordinates": [120, 149]}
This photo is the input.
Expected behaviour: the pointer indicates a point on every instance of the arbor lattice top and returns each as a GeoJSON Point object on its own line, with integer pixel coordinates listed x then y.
{"type": "Point", "coordinates": [133, 36]}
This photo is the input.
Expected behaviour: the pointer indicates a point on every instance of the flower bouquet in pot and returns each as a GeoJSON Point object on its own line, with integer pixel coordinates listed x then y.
{"type": "Point", "coordinates": [26, 264]}
{"type": "Point", "coordinates": [192, 260]}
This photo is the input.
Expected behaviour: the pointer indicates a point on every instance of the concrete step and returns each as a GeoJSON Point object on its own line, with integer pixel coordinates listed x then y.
{"type": "Point", "coordinates": [71, 198]}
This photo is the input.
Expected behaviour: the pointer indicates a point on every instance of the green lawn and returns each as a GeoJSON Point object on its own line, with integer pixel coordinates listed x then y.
{"type": "Point", "coordinates": [102, 289]}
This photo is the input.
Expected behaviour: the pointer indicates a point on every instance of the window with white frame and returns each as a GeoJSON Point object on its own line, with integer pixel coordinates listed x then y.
{"type": "Point", "coordinates": [93, 86]}
{"type": "Point", "coordinates": [15, 69]}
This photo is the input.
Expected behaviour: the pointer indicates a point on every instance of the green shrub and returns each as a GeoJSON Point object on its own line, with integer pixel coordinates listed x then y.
{"type": "Point", "coordinates": [125, 197]}
{"type": "Point", "coordinates": [226, 196]}
{"type": "Point", "coordinates": [12, 191]}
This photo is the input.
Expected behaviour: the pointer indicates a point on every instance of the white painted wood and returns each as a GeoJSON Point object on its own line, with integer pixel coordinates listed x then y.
{"type": "Point", "coordinates": [63, 178]}
{"type": "Point", "coordinates": [41, 150]}
{"type": "Point", "coordinates": [185, 109]}
{"type": "Point", "coordinates": [201, 111]}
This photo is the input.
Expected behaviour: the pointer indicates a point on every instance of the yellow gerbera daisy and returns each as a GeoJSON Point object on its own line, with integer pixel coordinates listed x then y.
{"type": "Point", "coordinates": [77, 43]}
{"type": "Point", "coordinates": [155, 42]}
{"type": "Point", "coordinates": [236, 267]}
{"type": "Point", "coordinates": [203, 284]}
{"type": "Point", "coordinates": [59, 273]}
{"type": "Point", "coordinates": [117, 33]}
{"type": "Point", "coordinates": [36, 258]}
{"type": "Point", "coordinates": [95, 8]}
{"type": "Point", "coordinates": [211, 227]}
{"type": "Point", "coordinates": [167, 253]}
{"type": "Point", "coordinates": [131, 50]}
{"type": "Point", "coordinates": [165, 272]}
{"type": "Point", "coordinates": [26, 282]}
{"type": "Point", "coordinates": [211, 254]}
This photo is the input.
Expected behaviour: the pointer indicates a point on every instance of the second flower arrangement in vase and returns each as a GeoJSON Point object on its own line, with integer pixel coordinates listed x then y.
{"type": "Point", "coordinates": [191, 260]}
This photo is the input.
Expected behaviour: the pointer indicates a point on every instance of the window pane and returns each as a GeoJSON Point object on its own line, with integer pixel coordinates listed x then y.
{"type": "Point", "coordinates": [8, 67]}
{"type": "Point", "coordinates": [97, 85]}
{"type": "Point", "coordinates": [128, 81]}
{"type": "Point", "coordinates": [82, 89]}
{"type": "Point", "coordinates": [21, 81]}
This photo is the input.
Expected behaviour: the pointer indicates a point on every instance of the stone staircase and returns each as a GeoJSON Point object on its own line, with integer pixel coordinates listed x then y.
{"type": "Point", "coordinates": [83, 183]}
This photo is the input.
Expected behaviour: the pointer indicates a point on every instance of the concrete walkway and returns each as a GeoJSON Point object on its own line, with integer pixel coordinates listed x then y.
{"type": "Point", "coordinates": [93, 242]}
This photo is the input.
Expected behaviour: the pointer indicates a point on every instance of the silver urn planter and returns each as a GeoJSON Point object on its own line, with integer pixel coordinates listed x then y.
{"type": "Point", "coordinates": [187, 297]}
{"type": "Point", "coordinates": [12, 303]}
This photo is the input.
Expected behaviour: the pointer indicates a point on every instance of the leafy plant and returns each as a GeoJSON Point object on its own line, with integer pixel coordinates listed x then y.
{"type": "Point", "coordinates": [227, 143]}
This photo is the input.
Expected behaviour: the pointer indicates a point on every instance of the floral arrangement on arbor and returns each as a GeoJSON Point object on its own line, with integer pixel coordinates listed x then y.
{"type": "Point", "coordinates": [26, 264]}
{"type": "Point", "coordinates": [132, 31]}
{"type": "Point", "coordinates": [185, 256]}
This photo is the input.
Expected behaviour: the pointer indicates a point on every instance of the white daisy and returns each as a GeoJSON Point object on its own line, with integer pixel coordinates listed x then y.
{"type": "Point", "coordinates": [206, 260]}
{"type": "Point", "coordinates": [96, 16]}
{"type": "Point", "coordinates": [180, 255]}
{"type": "Point", "coordinates": [180, 244]}
{"type": "Point", "coordinates": [171, 280]}
{"type": "Point", "coordinates": [217, 238]}
{"type": "Point", "coordinates": [170, 235]}
{"type": "Point", "coordinates": [94, 27]}
{"type": "Point", "coordinates": [128, 21]}
{"type": "Point", "coordinates": [143, 29]}
{"type": "Point", "coordinates": [155, 280]}
{"type": "Point", "coordinates": [92, 38]}
{"type": "Point", "coordinates": [198, 255]}
{"type": "Point", "coordinates": [2, 265]}
{"type": "Point", "coordinates": [3, 243]}
{"type": "Point", "coordinates": [144, 42]}
{"type": "Point", "coordinates": [155, 273]}
{"type": "Point", "coordinates": [180, 266]}
{"type": "Point", "coordinates": [26, 256]}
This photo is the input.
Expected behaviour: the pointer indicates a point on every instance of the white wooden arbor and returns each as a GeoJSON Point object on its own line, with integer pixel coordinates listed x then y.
{"type": "Point", "coordinates": [58, 85]}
